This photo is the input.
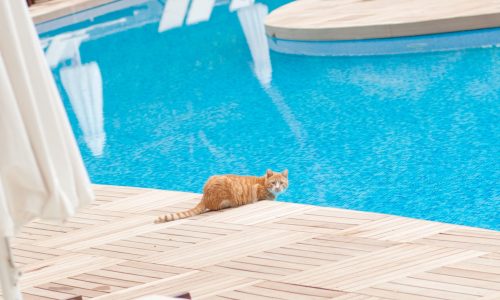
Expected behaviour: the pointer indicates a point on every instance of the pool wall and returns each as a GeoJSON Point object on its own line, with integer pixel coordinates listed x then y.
{"type": "Point", "coordinates": [386, 46]}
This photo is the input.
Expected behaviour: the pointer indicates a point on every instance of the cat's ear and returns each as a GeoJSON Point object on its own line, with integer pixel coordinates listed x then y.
{"type": "Point", "coordinates": [285, 173]}
{"type": "Point", "coordinates": [269, 173]}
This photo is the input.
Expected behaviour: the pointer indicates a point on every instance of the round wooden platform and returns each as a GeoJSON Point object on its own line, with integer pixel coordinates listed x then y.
{"type": "Point", "coordinates": [330, 20]}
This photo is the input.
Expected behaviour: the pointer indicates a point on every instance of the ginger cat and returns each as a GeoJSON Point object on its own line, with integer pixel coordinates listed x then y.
{"type": "Point", "coordinates": [224, 191]}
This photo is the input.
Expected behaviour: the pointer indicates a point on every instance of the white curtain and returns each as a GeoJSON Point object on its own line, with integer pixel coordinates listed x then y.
{"type": "Point", "coordinates": [41, 170]}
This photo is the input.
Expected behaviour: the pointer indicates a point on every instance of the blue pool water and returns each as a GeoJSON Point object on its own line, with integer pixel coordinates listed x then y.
{"type": "Point", "coordinates": [414, 135]}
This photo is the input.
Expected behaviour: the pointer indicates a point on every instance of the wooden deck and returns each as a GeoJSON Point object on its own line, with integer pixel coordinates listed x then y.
{"type": "Point", "coordinates": [45, 10]}
{"type": "Point", "coordinates": [332, 20]}
{"type": "Point", "coordinates": [268, 250]}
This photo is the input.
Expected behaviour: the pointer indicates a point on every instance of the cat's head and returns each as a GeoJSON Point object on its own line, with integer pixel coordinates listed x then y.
{"type": "Point", "coordinates": [276, 182]}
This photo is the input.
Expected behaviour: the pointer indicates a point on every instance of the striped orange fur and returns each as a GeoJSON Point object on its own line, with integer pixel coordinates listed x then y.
{"type": "Point", "coordinates": [224, 191]}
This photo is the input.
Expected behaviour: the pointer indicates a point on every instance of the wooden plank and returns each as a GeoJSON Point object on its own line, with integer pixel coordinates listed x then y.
{"type": "Point", "coordinates": [155, 241]}
{"type": "Point", "coordinates": [395, 295]}
{"type": "Point", "coordinates": [468, 239]}
{"type": "Point", "coordinates": [122, 249]}
{"type": "Point", "coordinates": [340, 213]}
{"type": "Point", "coordinates": [458, 242]}
{"type": "Point", "coordinates": [462, 281]}
{"type": "Point", "coordinates": [87, 285]}
{"type": "Point", "coordinates": [122, 276]}
{"type": "Point", "coordinates": [216, 298]}
{"type": "Point", "coordinates": [467, 273]}
{"type": "Point", "coordinates": [345, 243]}
{"type": "Point", "coordinates": [25, 260]}
{"type": "Point", "coordinates": [444, 286]}
{"type": "Point", "coordinates": [181, 231]}
{"type": "Point", "coordinates": [139, 272]}
{"type": "Point", "coordinates": [477, 267]}
{"type": "Point", "coordinates": [296, 266]}
{"type": "Point", "coordinates": [252, 273]}
{"type": "Point", "coordinates": [47, 293]}
{"type": "Point", "coordinates": [307, 246]}
{"type": "Point", "coordinates": [102, 212]}
{"type": "Point", "coordinates": [312, 223]}
{"type": "Point", "coordinates": [47, 226]}
{"type": "Point", "coordinates": [155, 267]}
{"type": "Point", "coordinates": [280, 294]}
{"type": "Point", "coordinates": [298, 227]}
{"type": "Point", "coordinates": [77, 291]}
{"type": "Point", "coordinates": [208, 227]}
{"type": "Point", "coordinates": [290, 258]}
{"type": "Point", "coordinates": [110, 254]}
{"type": "Point", "coordinates": [374, 244]}
{"type": "Point", "coordinates": [225, 226]}
{"type": "Point", "coordinates": [260, 212]}
{"type": "Point", "coordinates": [300, 251]}
{"type": "Point", "coordinates": [62, 267]}
{"type": "Point", "coordinates": [355, 296]}
{"type": "Point", "coordinates": [198, 284]}
{"type": "Point", "coordinates": [485, 261]}
{"type": "Point", "coordinates": [28, 296]}
{"type": "Point", "coordinates": [227, 247]}
{"type": "Point", "coordinates": [237, 265]}
{"type": "Point", "coordinates": [245, 296]}
{"type": "Point", "coordinates": [105, 281]}
{"type": "Point", "coordinates": [425, 291]}
{"type": "Point", "coordinates": [173, 238]}
{"type": "Point", "coordinates": [141, 246]}
{"type": "Point", "coordinates": [474, 232]}
{"type": "Point", "coordinates": [307, 216]}
{"type": "Point", "coordinates": [147, 201]}
{"type": "Point", "coordinates": [33, 255]}
{"type": "Point", "coordinates": [299, 289]}
{"type": "Point", "coordinates": [37, 249]}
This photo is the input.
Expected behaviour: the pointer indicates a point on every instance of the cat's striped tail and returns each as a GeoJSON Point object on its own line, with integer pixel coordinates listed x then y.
{"type": "Point", "coordinates": [198, 209]}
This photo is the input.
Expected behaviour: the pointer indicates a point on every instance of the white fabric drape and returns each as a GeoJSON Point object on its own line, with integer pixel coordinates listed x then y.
{"type": "Point", "coordinates": [41, 170]}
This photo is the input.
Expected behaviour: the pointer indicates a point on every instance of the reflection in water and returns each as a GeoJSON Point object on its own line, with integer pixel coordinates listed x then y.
{"type": "Point", "coordinates": [83, 85]}
{"type": "Point", "coordinates": [173, 14]}
{"type": "Point", "coordinates": [252, 21]}
{"type": "Point", "coordinates": [83, 82]}
{"type": "Point", "coordinates": [237, 4]}
{"type": "Point", "coordinates": [63, 47]}
{"type": "Point", "coordinates": [250, 15]}
{"type": "Point", "coordinates": [200, 11]}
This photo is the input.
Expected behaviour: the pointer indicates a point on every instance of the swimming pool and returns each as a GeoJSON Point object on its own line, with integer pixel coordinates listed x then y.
{"type": "Point", "coordinates": [415, 135]}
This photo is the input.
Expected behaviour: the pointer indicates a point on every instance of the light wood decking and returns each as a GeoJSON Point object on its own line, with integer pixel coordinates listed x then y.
{"type": "Point", "coordinates": [268, 250]}
{"type": "Point", "coordinates": [331, 20]}
{"type": "Point", "coordinates": [45, 10]}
